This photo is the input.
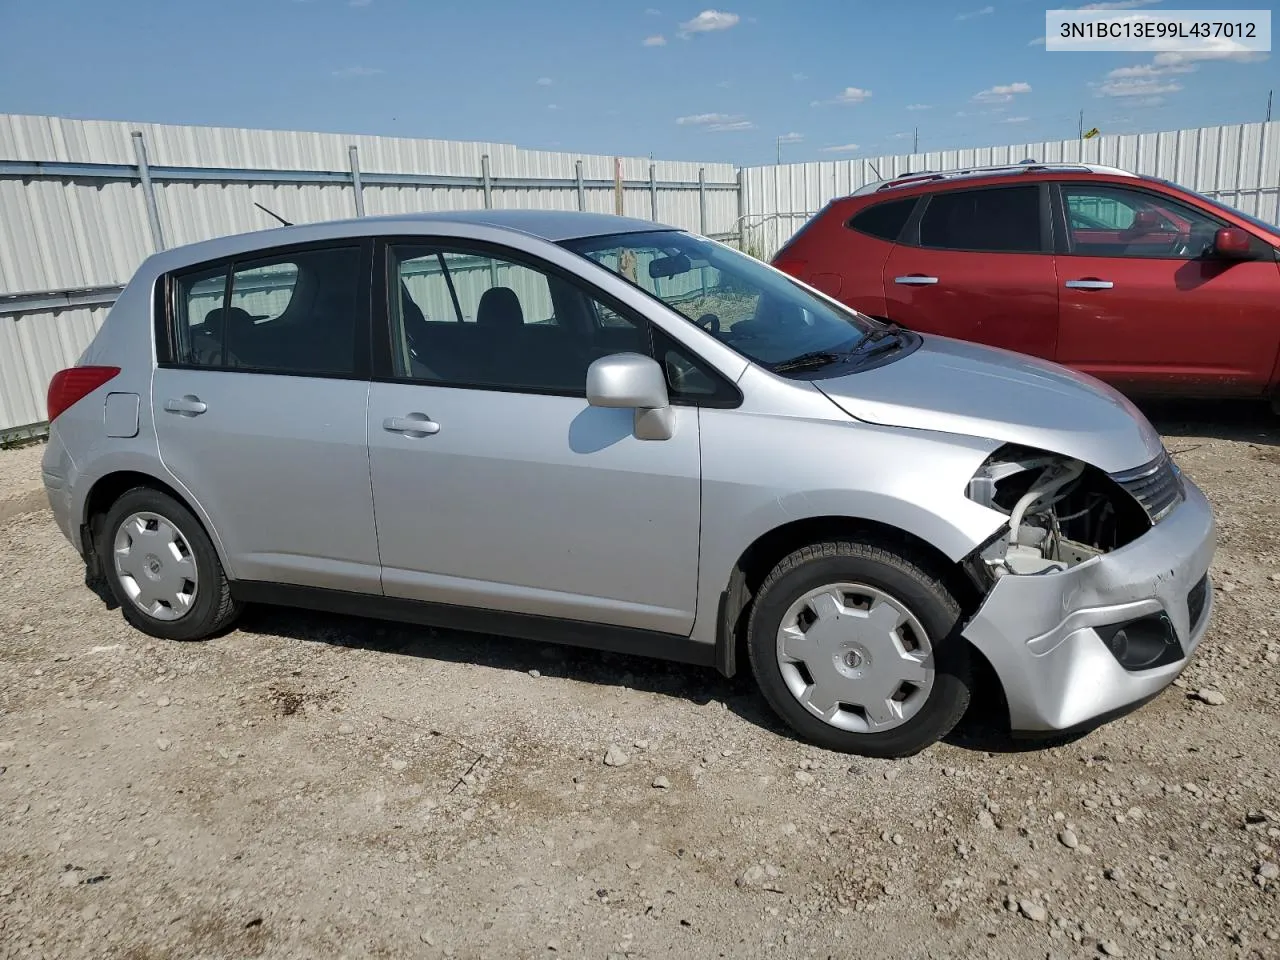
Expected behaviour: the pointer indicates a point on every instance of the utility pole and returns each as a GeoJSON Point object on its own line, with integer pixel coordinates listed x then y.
{"type": "Point", "coordinates": [778, 144]}
{"type": "Point", "coordinates": [1081, 135]}
{"type": "Point", "coordinates": [1269, 92]}
{"type": "Point", "coordinates": [915, 140]}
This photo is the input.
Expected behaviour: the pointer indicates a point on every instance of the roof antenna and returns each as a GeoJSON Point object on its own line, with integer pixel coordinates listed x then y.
{"type": "Point", "coordinates": [874, 170]}
{"type": "Point", "coordinates": [270, 214]}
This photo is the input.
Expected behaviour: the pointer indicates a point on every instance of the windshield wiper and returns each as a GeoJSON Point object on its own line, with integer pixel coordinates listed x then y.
{"type": "Point", "coordinates": [810, 361]}
{"type": "Point", "coordinates": [882, 341]}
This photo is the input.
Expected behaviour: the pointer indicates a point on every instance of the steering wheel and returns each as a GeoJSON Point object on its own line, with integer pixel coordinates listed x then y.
{"type": "Point", "coordinates": [709, 322]}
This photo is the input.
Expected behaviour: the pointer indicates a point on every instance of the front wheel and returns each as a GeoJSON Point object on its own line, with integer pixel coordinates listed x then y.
{"type": "Point", "coordinates": [858, 649]}
{"type": "Point", "coordinates": [163, 569]}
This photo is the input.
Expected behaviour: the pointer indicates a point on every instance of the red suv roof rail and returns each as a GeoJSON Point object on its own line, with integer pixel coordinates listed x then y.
{"type": "Point", "coordinates": [1026, 166]}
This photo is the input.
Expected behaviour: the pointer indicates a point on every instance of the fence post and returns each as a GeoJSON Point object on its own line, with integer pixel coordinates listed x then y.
{"type": "Point", "coordinates": [619, 206]}
{"type": "Point", "coordinates": [356, 185]}
{"type": "Point", "coordinates": [653, 191]}
{"type": "Point", "coordinates": [582, 192]}
{"type": "Point", "coordinates": [488, 182]}
{"type": "Point", "coordinates": [742, 210]}
{"type": "Point", "coordinates": [148, 189]}
{"type": "Point", "coordinates": [702, 200]}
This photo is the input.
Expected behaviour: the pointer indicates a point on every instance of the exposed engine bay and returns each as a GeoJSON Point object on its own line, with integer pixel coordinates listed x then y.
{"type": "Point", "coordinates": [1061, 512]}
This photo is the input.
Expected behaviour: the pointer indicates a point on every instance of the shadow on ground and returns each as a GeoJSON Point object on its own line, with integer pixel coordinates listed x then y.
{"type": "Point", "coordinates": [984, 727]}
{"type": "Point", "coordinates": [1247, 421]}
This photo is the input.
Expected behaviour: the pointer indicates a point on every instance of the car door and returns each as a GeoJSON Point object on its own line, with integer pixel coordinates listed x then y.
{"type": "Point", "coordinates": [496, 485]}
{"type": "Point", "coordinates": [1145, 305]}
{"type": "Point", "coordinates": [259, 406]}
{"type": "Point", "coordinates": [977, 264]}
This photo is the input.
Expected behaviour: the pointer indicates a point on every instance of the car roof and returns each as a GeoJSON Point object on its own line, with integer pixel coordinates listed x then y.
{"type": "Point", "coordinates": [551, 225]}
{"type": "Point", "coordinates": [1029, 168]}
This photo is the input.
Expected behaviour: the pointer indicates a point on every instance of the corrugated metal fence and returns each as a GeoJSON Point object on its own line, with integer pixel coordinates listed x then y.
{"type": "Point", "coordinates": [82, 203]}
{"type": "Point", "coordinates": [1239, 165]}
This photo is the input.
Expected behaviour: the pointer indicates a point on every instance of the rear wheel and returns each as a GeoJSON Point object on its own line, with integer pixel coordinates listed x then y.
{"type": "Point", "coordinates": [162, 568]}
{"type": "Point", "coordinates": [857, 648]}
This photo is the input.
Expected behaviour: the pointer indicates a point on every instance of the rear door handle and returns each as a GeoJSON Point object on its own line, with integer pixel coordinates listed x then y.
{"type": "Point", "coordinates": [916, 280]}
{"type": "Point", "coordinates": [414, 425]}
{"type": "Point", "coordinates": [1089, 284]}
{"type": "Point", "coordinates": [188, 406]}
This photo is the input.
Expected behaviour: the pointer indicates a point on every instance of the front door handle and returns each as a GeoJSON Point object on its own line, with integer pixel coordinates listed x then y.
{"type": "Point", "coordinates": [188, 406]}
{"type": "Point", "coordinates": [916, 280]}
{"type": "Point", "coordinates": [1089, 284]}
{"type": "Point", "coordinates": [413, 425]}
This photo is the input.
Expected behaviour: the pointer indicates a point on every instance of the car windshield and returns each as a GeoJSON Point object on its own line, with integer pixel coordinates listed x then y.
{"type": "Point", "coordinates": [1261, 224]}
{"type": "Point", "coordinates": [748, 305]}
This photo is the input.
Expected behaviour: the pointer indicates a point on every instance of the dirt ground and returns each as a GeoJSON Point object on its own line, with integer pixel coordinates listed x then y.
{"type": "Point", "coordinates": [310, 786]}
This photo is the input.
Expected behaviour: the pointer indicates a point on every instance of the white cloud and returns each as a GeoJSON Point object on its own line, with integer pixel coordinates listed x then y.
{"type": "Point", "coordinates": [1037, 42]}
{"type": "Point", "coordinates": [1146, 70]}
{"type": "Point", "coordinates": [984, 12]}
{"type": "Point", "coordinates": [1172, 58]}
{"type": "Point", "coordinates": [651, 12]}
{"type": "Point", "coordinates": [545, 81]}
{"type": "Point", "coordinates": [791, 138]}
{"type": "Point", "coordinates": [716, 122]}
{"type": "Point", "coordinates": [919, 106]}
{"type": "Point", "coordinates": [1014, 120]}
{"type": "Point", "coordinates": [358, 72]}
{"type": "Point", "coordinates": [1119, 4]}
{"type": "Point", "coordinates": [553, 106]}
{"type": "Point", "coordinates": [841, 148]}
{"type": "Point", "coordinates": [799, 76]}
{"type": "Point", "coordinates": [1001, 93]}
{"type": "Point", "coordinates": [708, 21]}
{"type": "Point", "coordinates": [1138, 88]}
{"type": "Point", "coordinates": [901, 136]}
{"type": "Point", "coordinates": [657, 40]}
{"type": "Point", "coordinates": [848, 96]}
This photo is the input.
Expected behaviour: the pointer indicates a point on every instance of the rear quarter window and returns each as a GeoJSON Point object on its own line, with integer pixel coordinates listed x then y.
{"type": "Point", "coordinates": [884, 220]}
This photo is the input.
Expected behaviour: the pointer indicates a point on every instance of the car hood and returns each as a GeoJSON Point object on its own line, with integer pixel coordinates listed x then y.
{"type": "Point", "coordinates": [957, 387]}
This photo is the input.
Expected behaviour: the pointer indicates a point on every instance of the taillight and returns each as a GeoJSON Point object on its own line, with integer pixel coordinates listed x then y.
{"type": "Point", "coordinates": [72, 385]}
{"type": "Point", "coordinates": [793, 266]}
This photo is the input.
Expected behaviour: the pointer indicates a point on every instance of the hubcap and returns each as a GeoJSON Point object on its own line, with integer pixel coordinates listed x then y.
{"type": "Point", "coordinates": [855, 657]}
{"type": "Point", "coordinates": [155, 565]}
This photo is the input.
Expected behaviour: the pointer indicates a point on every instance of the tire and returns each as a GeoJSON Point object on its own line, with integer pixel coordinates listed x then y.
{"type": "Point", "coordinates": [858, 653]}
{"type": "Point", "coordinates": [179, 569]}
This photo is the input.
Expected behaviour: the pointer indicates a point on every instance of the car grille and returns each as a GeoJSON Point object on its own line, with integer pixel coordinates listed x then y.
{"type": "Point", "coordinates": [1156, 485]}
{"type": "Point", "coordinates": [1196, 600]}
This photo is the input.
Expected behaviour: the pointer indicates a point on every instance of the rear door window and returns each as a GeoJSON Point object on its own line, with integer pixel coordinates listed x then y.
{"type": "Point", "coordinates": [294, 313]}
{"type": "Point", "coordinates": [996, 220]}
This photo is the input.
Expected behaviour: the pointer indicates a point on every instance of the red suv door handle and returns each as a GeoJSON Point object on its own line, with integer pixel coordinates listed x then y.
{"type": "Point", "coordinates": [1089, 284]}
{"type": "Point", "coordinates": [916, 280]}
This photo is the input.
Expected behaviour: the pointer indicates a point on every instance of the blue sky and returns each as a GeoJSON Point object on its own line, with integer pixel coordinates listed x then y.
{"type": "Point", "coordinates": [676, 80]}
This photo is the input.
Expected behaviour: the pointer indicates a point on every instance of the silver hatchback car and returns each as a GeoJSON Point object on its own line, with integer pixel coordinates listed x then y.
{"type": "Point", "coordinates": [611, 433]}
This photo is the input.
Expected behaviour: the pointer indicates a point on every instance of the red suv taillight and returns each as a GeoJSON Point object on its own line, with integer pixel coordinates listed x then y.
{"type": "Point", "coordinates": [73, 385]}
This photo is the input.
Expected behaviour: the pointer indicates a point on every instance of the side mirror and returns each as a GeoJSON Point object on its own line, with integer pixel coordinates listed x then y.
{"type": "Point", "coordinates": [1232, 243]}
{"type": "Point", "coordinates": [636, 381]}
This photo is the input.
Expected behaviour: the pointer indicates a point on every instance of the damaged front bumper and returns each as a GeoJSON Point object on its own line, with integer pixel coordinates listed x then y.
{"type": "Point", "coordinates": [1051, 637]}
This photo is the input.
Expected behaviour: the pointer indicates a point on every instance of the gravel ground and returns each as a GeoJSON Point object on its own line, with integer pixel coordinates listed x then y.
{"type": "Point", "coordinates": [311, 786]}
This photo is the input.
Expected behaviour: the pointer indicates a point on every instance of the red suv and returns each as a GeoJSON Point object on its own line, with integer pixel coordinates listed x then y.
{"type": "Point", "coordinates": [1135, 280]}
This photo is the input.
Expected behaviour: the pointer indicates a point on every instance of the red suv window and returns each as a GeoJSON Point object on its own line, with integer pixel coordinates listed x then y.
{"type": "Point", "coordinates": [884, 220]}
{"type": "Point", "coordinates": [1003, 219]}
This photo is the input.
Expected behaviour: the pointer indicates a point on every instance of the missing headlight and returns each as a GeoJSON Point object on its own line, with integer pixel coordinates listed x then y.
{"type": "Point", "coordinates": [1061, 512]}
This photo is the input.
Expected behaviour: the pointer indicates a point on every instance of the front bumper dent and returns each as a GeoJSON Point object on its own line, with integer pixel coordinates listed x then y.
{"type": "Point", "coordinates": [1040, 632]}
